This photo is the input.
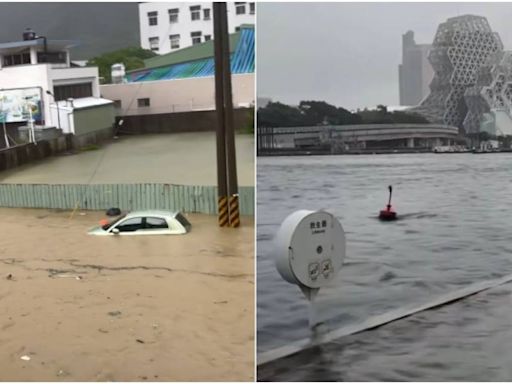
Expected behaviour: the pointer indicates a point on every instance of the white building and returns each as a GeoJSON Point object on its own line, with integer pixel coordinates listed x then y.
{"type": "Point", "coordinates": [166, 27]}
{"type": "Point", "coordinates": [39, 71]}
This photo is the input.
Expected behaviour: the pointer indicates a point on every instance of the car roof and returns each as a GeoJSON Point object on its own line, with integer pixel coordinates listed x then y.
{"type": "Point", "coordinates": [156, 213]}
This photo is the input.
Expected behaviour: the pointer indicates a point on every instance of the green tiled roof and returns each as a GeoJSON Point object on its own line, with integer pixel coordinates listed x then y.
{"type": "Point", "coordinates": [195, 52]}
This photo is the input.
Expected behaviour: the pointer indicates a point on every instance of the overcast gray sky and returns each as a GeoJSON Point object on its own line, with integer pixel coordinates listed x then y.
{"type": "Point", "coordinates": [348, 53]}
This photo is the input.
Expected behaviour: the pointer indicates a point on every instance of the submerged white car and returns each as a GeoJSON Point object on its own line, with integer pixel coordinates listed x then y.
{"type": "Point", "coordinates": [145, 223]}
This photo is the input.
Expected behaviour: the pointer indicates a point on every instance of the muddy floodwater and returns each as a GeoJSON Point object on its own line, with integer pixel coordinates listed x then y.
{"type": "Point", "coordinates": [181, 158]}
{"type": "Point", "coordinates": [76, 307]}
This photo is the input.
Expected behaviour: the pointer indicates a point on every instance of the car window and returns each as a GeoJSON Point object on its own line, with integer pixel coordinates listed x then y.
{"type": "Point", "coordinates": [156, 223]}
{"type": "Point", "coordinates": [183, 221]}
{"type": "Point", "coordinates": [130, 225]}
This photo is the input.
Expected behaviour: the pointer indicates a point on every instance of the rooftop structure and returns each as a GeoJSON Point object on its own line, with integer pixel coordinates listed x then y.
{"type": "Point", "coordinates": [39, 70]}
{"type": "Point", "coordinates": [198, 60]}
{"type": "Point", "coordinates": [154, 89]}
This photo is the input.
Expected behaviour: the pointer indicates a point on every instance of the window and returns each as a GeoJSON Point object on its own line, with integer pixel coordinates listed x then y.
{"type": "Point", "coordinates": [175, 41]}
{"type": "Point", "coordinates": [154, 43]}
{"type": "Point", "coordinates": [207, 37]}
{"type": "Point", "coordinates": [51, 57]}
{"type": "Point", "coordinates": [143, 102]}
{"type": "Point", "coordinates": [130, 225]}
{"type": "Point", "coordinates": [240, 8]}
{"type": "Point", "coordinates": [195, 12]}
{"type": "Point", "coordinates": [72, 91]}
{"type": "Point", "coordinates": [183, 221]}
{"type": "Point", "coordinates": [153, 18]}
{"type": "Point", "coordinates": [252, 8]}
{"type": "Point", "coordinates": [155, 223]}
{"type": "Point", "coordinates": [173, 15]}
{"type": "Point", "coordinates": [118, 104]}
{"type": "Point", "coordinates": [237, 29]}
{"type": "Point", "coordinates": [196, 37]}
{"type": "Point", "coordinates": [23, 58]}
{"type": "Point", "coordinates": [206, 14]}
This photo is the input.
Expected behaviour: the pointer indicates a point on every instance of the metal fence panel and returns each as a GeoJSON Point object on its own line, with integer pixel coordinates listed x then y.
{"type": "Point", "coordinates": [198, 199]}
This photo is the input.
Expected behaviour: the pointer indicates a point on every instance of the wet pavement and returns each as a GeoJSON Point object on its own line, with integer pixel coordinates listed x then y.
{"type": "Point", "coordinates": [181, 158]}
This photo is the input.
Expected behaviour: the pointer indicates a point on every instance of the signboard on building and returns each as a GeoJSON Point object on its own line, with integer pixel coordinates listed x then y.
{"type": "Point", "coordinates": [14, 104]}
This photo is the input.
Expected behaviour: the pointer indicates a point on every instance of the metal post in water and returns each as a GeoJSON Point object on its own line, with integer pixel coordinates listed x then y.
{"type": "Point", "coordinates": [234, 211]}
{"type": "Point", "coordinates": [222, 186]}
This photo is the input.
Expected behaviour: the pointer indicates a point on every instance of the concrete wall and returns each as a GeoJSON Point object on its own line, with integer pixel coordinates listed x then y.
{"type": "Point", "coordinates": [12, 132]}
{"type": "Point", "coordinates": [199, 121]}
{"type": "Point", "coordinates": [168, 96]}
{"type": "Point", "coordinates": [27, 153]}
{"type": "Point", "coordinates": [185, 25]}
{"type": "Point", "coordinates": [92, 138]}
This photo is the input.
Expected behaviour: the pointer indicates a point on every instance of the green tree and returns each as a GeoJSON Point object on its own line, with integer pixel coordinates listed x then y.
{"type": "Point", "coordinates": [322, 113]}
{"type": "Point", "coordinates": [132, 58]}
{"type": "Point", "coordinates": [380, 115]}
{"type": "Point", "coordinates": [279, 115]}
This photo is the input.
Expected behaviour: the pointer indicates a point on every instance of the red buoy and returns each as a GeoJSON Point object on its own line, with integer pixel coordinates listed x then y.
{"type": "Point", "coordinates": [388, 214]}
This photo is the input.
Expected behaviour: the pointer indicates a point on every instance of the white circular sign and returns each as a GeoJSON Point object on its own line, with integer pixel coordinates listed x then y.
{"type": "Point", "coordinates": [310, 248]}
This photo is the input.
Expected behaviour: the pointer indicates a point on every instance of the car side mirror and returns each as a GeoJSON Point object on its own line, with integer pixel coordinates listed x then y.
{"type": "Point", "coordinates": [115, 231]}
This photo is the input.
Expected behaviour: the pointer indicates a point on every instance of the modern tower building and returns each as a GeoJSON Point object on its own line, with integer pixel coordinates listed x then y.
{"type": "Point", "coordinates": [167, 27]}
{"type": "Point", "coordinates": [415, 73]}
{"type": "Point", "coordinates": [462, 55]}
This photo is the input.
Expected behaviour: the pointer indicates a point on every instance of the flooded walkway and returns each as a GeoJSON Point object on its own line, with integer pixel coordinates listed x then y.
{"type": "Point", "coordinates": [181, 158]}
{"type": "Point", "coordinates": [465, 341]}
{"type": "Point", "coordinates": [155, 308]}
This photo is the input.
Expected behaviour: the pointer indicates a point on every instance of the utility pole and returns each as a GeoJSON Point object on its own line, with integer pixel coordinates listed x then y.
{"type": "Point", "coordinates": [229, 213]}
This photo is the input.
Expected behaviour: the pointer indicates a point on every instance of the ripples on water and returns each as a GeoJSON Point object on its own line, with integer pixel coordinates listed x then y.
{"type": "Point", "coordinates": [465, 341]}
{"type": "Point", "coordinates": [455, 230]}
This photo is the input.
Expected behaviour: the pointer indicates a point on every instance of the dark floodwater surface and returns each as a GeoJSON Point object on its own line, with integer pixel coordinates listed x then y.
{"type": "Point", "coordinates": [456, 229]}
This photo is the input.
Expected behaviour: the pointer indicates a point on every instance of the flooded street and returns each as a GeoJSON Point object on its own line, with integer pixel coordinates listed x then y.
{"type": "Point", "coordinates": [179, 158]}
{"type": "Point", "coordinates": [135, 308]}
{"type": "Point", "coordinates": [455, 231]}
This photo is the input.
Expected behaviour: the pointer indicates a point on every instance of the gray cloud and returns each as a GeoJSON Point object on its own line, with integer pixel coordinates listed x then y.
{"type": "Point", "coordinates": [348, 53]}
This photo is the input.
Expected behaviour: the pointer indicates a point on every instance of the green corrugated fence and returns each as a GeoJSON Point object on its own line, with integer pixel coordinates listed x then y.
{"type": "Point", "coordinates": [186, 198]}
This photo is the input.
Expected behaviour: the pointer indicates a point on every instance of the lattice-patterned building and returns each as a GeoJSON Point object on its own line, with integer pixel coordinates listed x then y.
{"type": "Point", "coordinates": [492, 91]}
{"type": "Point", "coordinates": [464, 56]}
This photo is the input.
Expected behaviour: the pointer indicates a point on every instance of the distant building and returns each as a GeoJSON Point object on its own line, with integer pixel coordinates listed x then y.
{"type": "Point", "coordinates": [467, 56]}
{"type": "Point", "coordinates": [184, 81]}
{"type": "Point", "coordinates": [167, 27]}
{"type": "Point", "coordinates": [415, 73]}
